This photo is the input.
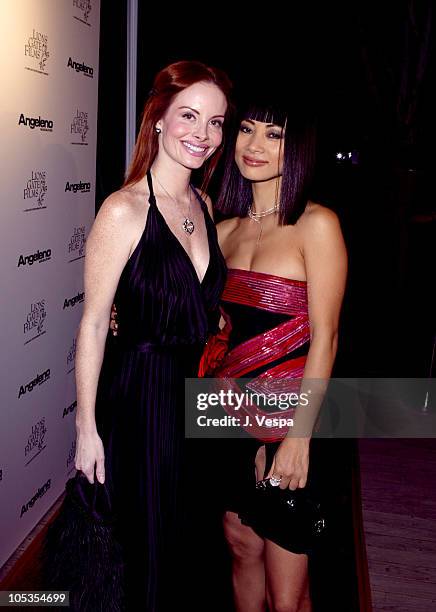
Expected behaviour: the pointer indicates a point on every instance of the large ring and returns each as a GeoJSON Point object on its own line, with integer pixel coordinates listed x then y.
{"type": "Point", "coordinates": [274, 482]}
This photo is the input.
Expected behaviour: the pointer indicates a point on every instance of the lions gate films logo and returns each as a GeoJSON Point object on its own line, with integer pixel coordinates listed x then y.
{"type": "Point", "coordinates": [36, 50]}
{"type": "Point", "coordinates": [34, 322]}
{"type": "Point", "coordinates": [71, 455]}
{"type": "Point", "coordinates": [36, 441]}
{"type": "Point", "coordinates": [76, 245]}
{"type": "Point", "coordinates": [79, 128]}
{"type": "Point", "coordinates": [35, 190]}
{"type": "Point", "coordinates": [83, 8]}
{"type": "Point", "coordinates": [71, 357]}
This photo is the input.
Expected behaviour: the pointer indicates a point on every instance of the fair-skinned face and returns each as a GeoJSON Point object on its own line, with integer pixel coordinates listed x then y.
{"type": "Point", "coordinates": [192, 127]}
{"type": "Point", "coordinates": [259, 150]}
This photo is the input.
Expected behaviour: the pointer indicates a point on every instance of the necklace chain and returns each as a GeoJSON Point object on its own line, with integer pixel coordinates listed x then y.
{"type": "Point", "coordinates": [263, 213]}
{"type": "Point", "coordinates": [258, 216]}
{"type": "Point", "coordinates": [187, 225]}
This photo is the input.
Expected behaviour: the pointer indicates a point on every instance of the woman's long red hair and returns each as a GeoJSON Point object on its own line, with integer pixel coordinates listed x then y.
{"type": "Point", "coordinates": [169, 82]}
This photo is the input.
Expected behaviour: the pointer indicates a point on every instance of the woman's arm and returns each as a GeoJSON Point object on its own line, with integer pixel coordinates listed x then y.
{"type": "Point", "coordinates": [107, 251]}
{"type": "Point", "coordinates": [325, 260]}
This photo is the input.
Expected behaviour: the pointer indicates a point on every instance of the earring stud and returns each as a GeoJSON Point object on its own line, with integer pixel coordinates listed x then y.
{"type": "Point", "coordinates": [157, 130]}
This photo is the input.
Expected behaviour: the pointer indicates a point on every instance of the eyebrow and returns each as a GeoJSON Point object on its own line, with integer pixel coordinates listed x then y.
{"type": "Point", "coordinates": [196, 111]}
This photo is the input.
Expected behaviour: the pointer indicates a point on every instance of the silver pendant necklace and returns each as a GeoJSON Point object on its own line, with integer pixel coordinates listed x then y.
{"type": "Point", "coordinates": [258, 216]}
{"type": "Point", "coordinates": [187, 225]}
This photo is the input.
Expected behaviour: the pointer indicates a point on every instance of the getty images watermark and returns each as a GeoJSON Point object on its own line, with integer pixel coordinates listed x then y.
{"type": "Point", "coordinates": [237, 402]}
{"type": "Point", "coordinates": [340, 407]}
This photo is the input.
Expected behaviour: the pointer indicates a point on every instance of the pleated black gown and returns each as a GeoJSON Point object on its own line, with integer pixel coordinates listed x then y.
{"type": "Point", "coordinates": [165, 316]}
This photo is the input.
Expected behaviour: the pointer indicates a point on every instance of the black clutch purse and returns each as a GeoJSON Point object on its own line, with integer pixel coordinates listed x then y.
{"type": "Point", "coordinates": [295, 520]}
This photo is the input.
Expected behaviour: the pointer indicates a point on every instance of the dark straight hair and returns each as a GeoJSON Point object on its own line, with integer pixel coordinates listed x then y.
{"type": "Point", "coordinates": [299, 155]}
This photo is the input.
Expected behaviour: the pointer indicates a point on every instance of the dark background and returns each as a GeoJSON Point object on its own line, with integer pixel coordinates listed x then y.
{"type": "Point", "coordinates": [368, 68]}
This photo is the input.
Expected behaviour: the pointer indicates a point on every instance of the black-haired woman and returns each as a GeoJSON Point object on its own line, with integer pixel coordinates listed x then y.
{"type": "Point", "coordinates": [287, 268]}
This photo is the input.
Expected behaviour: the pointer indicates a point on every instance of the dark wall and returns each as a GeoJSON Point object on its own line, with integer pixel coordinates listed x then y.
{"type": "Point", "coordinates": [111, 100]}
{"type": "Point", "coordinates": [367, 70]}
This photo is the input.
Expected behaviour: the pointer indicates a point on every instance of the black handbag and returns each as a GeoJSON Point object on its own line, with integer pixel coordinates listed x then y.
{"type": "Point", "coordinates": [294, 520]}
{"type": "Point", "coordinates": [81, 553]}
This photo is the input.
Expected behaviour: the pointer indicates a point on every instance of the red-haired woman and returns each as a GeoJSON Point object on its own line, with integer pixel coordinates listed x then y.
{"type": "Point", "coordinates": [153, 251]}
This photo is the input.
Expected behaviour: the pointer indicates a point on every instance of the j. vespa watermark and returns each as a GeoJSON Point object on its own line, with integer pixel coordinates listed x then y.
{"type": "Point", "coordinates": [236, 402]}
{"type": "Point", "coordinates": [338, 407]}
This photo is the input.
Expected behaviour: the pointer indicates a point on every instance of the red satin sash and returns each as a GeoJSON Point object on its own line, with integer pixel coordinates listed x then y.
{"type": "Point", "coordinates": [275, 294]}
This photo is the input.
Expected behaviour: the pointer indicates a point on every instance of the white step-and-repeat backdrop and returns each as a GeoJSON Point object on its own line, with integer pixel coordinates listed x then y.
{"type": "Point", "coordinates": [48, 126]}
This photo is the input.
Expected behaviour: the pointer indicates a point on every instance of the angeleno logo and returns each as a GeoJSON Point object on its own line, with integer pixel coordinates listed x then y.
{"type": "Point", "coordinates": [71, 302]}
{"type": "Point", "coordinates": [81, 67]}
{"type": "Point", "coordinates": [35, 320]}
{"type": "Point", "coordinates": [80, 186]}
{"type": "Point", "coordinates": [45, 125]}
{"type": "Point", "coordinates": [37, 381]}
{"type": "Point", "coordinates": [40, 493]}
{"type": "Point", "coordinates": [36, 189]}
{"type": "Point", "coordinates": [85, 7]}
{"type": "Point", "coordinates": [69, 409]}
{"type": "Point", "coordinates": [80, 127]}
{"type": "Point", "coordinates": [37, 49]}
{"type": "Point", "coordinates": [39, 256]}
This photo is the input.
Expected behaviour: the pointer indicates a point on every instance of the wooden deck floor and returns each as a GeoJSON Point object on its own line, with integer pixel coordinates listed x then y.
{"type": "Point", "coordinates": [399, 512]}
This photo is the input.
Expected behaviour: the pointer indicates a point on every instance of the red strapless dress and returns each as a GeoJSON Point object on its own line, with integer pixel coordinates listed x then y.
{"type": "Point", "coordinates": [266, 340]}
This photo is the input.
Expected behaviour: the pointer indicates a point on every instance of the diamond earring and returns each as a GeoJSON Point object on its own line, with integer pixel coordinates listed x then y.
{"type": "Point", "coordinates": [157, 130]}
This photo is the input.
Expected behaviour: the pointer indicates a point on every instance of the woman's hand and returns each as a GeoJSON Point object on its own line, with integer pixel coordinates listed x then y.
{"type": "Point", "coordinates": [113, 325]}
{"type": "Point", "coordinates": [90, 454]}
{"type": "Point", "coordinates": [291, 463]}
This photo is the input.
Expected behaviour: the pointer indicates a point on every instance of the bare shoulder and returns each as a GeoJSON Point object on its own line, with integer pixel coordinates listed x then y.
{"type": "Point", "coordinates": [122, 214]}
{"type": "Point", "coordinates": [319, 221]}
{"type": "Point", "coordinates": [123, 205]}
{"type": "Point", "coordinates": [118, 222]}
{"type": "Point", "coordinates": [225, 227]}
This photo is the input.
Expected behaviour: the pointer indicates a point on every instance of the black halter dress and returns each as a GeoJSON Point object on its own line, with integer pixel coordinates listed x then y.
{"type": "Point", "coordinates": [166, 313]}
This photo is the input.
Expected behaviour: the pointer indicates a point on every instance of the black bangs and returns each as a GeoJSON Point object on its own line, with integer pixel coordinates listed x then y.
{"type": "Point", "coordinates": [299, 149]}
{"type": "Point", "coordinates": [265, 113]}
